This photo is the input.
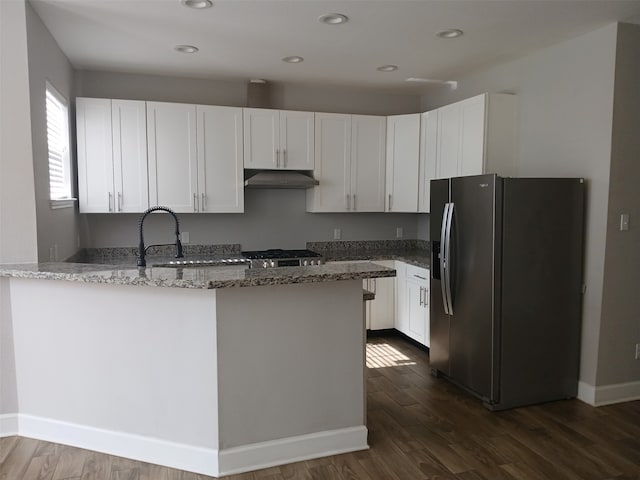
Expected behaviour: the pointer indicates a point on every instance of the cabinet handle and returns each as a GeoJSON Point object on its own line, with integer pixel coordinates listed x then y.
{"type": "Point", "coordinates": [421, 278]}
{"type": "Point", "coordinates": [284, 158]}
{"type": "Point", "coordinates": [119, 202]}
{"type": "Point", "coordinates": [426, 298]}
{"type": "Point", "coordinates": [195, 202]}
{"type": "Point", "coordinates": [354, 202]}
{"type": "Point", "coordinates": [375, 287]}
{"type": "Point", "coordinates": [389, 202]}
{"type": "Point", "coordinates": [109, 202]}
{"type": "Point", "coordinates": [421, 290]}
{"type": "Point", "coordinates": [204, 202]}
{"type": "Point", "coordinates": [277, 158]}
{"type": "Point", "coordinates": [348, 201]}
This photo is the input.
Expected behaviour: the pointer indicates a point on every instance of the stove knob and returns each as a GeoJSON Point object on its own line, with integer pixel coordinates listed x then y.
{"type": "Point", "coordinates": [272, 263]}
{"type": "Point", "coordinates": [305, 263]}
{"type": "Point", "coordinates": [265, 264]}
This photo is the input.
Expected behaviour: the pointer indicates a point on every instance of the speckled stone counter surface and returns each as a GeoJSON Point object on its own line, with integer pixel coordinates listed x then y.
{"type": "Point", "coordinates": [413, 252]}
{"type": "Point", "coordinates": [193, 277]}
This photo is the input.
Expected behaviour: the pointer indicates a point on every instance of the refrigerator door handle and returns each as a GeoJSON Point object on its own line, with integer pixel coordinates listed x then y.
{"type": "Point", "coordinates": [447, 247]}
{"type": "Point", "coordinates": [443, 255]}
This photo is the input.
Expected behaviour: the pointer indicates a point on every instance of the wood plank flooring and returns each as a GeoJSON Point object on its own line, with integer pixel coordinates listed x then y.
{"type": "Point", "coordinates": [420, 427]}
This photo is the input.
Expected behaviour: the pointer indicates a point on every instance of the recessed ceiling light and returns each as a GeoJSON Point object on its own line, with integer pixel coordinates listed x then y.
{"type": "Point", "coordinates": [185, 48]}
{"type": "Point", "coordinates": [197, 3]}
{"type": "Point", "coordinates": [334, 19]}
{"type": "Point", "coordinates": [387, 68]}
{"type": "Point", "coordinates": [293, 59]}
{"type": "Point", "coordinates": [450, 33]}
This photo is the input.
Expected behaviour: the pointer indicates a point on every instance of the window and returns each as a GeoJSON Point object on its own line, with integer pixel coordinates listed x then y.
{"type": "Point", "coordinates": [58, 148]}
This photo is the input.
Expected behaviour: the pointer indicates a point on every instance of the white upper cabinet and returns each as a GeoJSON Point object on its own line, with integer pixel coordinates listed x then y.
{"type": "Point", "coordinates": [350, 164]}
{"type": "Point", "coordinates": [471, 137]}
{"type": "Point", "coordinates": [428, 154]}
{"type": "Point", "coordinates": [278, 139]}
{"type": "Point", "coordinates": [130, 156]}
{"type": "Point", "coordinates": [220, 159]}
{"type": "Point", "coordinates": [112, 155]}
{"type": "Point", "coordinates": [403, 145]}
{"type": "Point", "coordinates": [477, 136]}
{"type": "Point", "coordinates": [297, 140]}
{"type": "Point", "coordinates": [333, 159]}
{"type": "Point", "coordinates": [368, 140]}
{"type": "Point", "coordinates": [173, 163]}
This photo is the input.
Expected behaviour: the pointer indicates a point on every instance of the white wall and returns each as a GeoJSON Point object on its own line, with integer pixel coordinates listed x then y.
{"type": "Point", "coordinates": [620, 324]}
{"type": "Point", "coordinates": [565, 101]}
{"type": "Point", "coordinates": [56, 227]}
{"type": "Point", "coordinates": [272, 218]}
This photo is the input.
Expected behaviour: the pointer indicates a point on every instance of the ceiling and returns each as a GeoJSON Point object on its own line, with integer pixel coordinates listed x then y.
{"type": "Point", "coordinates": [246, 39]}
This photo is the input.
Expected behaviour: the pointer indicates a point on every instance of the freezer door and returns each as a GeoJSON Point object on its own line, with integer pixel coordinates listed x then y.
{"type": "Point", "coordinates": [473, 325]}
{"type": "Point", "coordinates": [438, 319]}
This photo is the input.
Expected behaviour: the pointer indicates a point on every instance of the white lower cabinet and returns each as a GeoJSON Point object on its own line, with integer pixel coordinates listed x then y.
{"type": "Point", "coordinates": [412, 302]}
{"type": "Point", "coordinates": [382, 310]}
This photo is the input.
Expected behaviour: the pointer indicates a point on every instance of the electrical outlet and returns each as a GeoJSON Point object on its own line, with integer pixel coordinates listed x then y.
{"type": "Point", "coordinates": [637, 351]}
{"type": "Point", "coordinates": [399, 232]}
{"type": "Point", "coordinates": [184, 237]}
{"type": "Point", "coordinates": [337, 234]}
{"type": "Point", "coordinates": [624, 222]}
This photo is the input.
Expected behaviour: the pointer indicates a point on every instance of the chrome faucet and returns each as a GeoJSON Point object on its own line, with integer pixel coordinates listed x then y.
{"type": "Point", "coordinates": [141, 250]}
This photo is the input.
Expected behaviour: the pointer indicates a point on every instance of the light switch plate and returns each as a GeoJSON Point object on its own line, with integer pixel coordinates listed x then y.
{"type": "Point", "coordinates": [624, 222]}
{"type": "Point", "coordinates": [337, 234]}
{"type": "Point", "coordinates": [184, 237]}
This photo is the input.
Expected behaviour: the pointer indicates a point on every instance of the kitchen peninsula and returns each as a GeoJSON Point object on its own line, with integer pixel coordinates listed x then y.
{"type": "Point", "coordinates": [214, 370]}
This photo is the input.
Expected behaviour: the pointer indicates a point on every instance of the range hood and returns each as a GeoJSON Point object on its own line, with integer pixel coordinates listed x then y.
{"type": "Point", "coordinates": [279, 179]}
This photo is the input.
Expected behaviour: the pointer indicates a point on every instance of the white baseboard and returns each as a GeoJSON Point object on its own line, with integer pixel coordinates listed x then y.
{"type": "Point", "coordinates": [292, 449]}
{"type": "Point", "coordinates": [147, 449]}
{"type": "Point", "coordinates": [8, 425]}
{"type": "Point", "coordinates": [186, 457]}
{"type": "Point", "coordinates": [608, 394]}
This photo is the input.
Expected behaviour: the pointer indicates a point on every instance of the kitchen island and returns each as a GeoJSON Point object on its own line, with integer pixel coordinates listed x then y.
{"type": "Point", "coordinates": [214, 370]}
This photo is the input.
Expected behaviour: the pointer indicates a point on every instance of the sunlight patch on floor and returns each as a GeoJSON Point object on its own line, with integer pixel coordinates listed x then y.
{"type": "Point", "coordinates": [381, 355]}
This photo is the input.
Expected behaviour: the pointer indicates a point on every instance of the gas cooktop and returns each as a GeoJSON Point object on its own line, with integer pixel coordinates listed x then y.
{"type": "Point", "coordinates": [282, 258]}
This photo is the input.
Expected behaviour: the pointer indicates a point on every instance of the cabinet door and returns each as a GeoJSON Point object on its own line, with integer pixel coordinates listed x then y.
{"type": "Point", "coordinates": [402, 303]}
{"type": "Point", "coordinates": [417, 319]}
{"type": "Point", "coordinates": [296, 140]}
{"type": "Point", "coordinates": [173, 165]}
{"type": "Point", "coordinates": [403, 145]}
{"type": "Point", "coordinates": [332, 153]}
{"type": "Point", "coordinates": [220, 159]}
{"type": "Point", "coordinates": [261, 138]}
{"type": "Point", "coordinates": [382, 311]}
{"type": "Point", "coordinates": [368, 139]}
{"type": "Point", "coordinates": [428, 156]}
{"type": "Point", "coordinates": [448, 146]}
{"type": "Point", "coordinates": [129, 126]}
{"type": "Point", "coordinates": [95, 155]}
{"type": "Point", "coordinates": [472, 144]}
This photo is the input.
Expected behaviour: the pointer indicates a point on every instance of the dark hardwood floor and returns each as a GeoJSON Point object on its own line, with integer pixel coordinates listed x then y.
{"type": "Point", "coordinates": [420, 427]}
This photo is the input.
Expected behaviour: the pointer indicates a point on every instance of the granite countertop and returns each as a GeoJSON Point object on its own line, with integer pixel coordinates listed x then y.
{"type": "Point", "coordinates": [203, 277]}
{"type": "Point", "coordinates": [406, 251]}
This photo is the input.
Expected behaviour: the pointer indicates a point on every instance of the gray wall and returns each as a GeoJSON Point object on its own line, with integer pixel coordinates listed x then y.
{"type": "Point", "coordinates": [57, 228]}
{"type": "Point", "coordinates": [18, 238]}
{"type": "Point", "coordinates": [272, 218]}
{"type": "Point", "coordinates": [565, 101]}
{"type": "Point", "coordinates": [620, 324]}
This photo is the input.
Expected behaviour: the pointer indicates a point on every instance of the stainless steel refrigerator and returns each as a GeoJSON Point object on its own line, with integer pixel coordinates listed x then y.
{"type": "Point", "coordinates": [506, 286]}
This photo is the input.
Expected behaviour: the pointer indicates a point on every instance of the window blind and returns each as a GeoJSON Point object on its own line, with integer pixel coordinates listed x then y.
{"type": "Point", "coordinates": [58, 145]}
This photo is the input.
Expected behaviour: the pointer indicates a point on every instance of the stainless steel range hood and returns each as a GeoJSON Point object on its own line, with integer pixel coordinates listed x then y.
{"type": "Point", "coordinates": [280, 179]}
